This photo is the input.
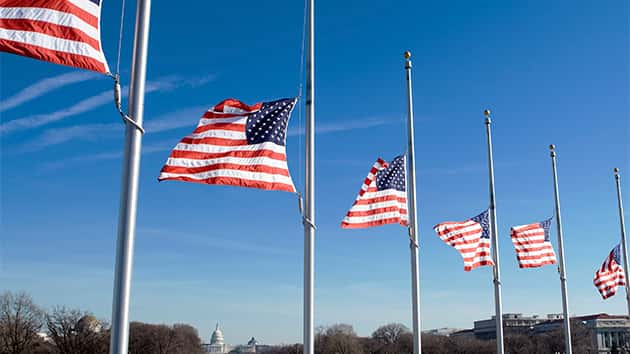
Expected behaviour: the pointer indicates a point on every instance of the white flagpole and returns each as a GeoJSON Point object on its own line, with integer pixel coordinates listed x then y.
{"type": "Point", "coordinates": [495, 241]}
{"type": "Point", "coordinates": [129, 186]}
{"type": "Point", "coordinates": [624, 245]}
{"type": "Point", "coordinates": [561, 268]}
{"type": "Point", "coordinates": [309, 184]}
{"type": "Point", "coordinates": [413, 223]}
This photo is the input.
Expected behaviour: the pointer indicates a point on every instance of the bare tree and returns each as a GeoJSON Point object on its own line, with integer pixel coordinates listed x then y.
{"type": "Point", "coordinates": [337, 339]}
{"type": "Point", "coordinates": [76, 332]}
{"type": "Point", "coordinates": [20, 320]}
{"type": "Point", "coordinates": [162, 339]}
{"type": "Point", "coordinates": [390, 333]}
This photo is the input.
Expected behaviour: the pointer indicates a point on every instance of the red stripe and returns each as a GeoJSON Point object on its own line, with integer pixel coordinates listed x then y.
{"type": "Point", "coordinates": [210, 115]}
{"type": "Point", "coordinates": [51, 29]}
{"type": "Point", "coordinates": [346, 225]}
{"type": "Point", "coordinates": [52, 56]}
{"type": "Point", "coordinates": [461, 235]}
{"type": "Point", "coordinates": [226, 166]}
{"type": "Point", "coordinates": [215, 141]}
{"type": "Point", "coordinates": [220, 126]}
{"type": "Point", "coordinates": [531, 258]}
{"type": "Point", "coordinates": [194, 155]}
{"type": "Point", "coordinates": [63, 6]}
{"type": "Point", "coordinates": [239, 182]}
{"type": "Point", "coordinates": [535, 265]}
{"type": "Point", "coordinates": [445, 228]}
{"type": "Point", "coordinates": [532, 248]}
{"type": "Point", "coordinates": [231, 102]}
{"type": "Point", "coordinates": [385, 198]}
{"type": "Point", "coordinates": [468, 268]}
{"type": "Point", "coordinates": [376, 211]}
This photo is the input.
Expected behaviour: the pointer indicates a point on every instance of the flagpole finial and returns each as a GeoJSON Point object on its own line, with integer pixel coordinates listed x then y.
{"type": "Point", "coordinates": [552, 149]}
{"type": "Point", "coordinates": [487, 114]}
{"type": "Point", "coordinates": [616, 171]}
{"type": "Point", "coordinates": [407, 55]}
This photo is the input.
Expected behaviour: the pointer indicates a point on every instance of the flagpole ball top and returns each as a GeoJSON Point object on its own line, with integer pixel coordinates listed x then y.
{"type": "Point", "coordinates": [486, 113]}
{"type": "Point", "coordinates": [552, 147]}
{"type": "Point", "coordinates": [407, 54]}
{"type": "Point", "coordinates": [616, 170]}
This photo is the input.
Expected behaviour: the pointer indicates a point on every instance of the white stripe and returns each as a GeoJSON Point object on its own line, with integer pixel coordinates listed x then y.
{"type": "Point", "coordinates": [206, 148]}
{"type": "Point", "coordinates": [53, 43]}
{"type": "Point", "coordinates": [373, 206]}
{"type": "Point", "coordinates": [537, 261]}
{"type": "Point", "coordinates": [219, 133]}
{"type": "Point", "coordinates": [365, 219]}
{"type": "Point", "coordinates": [191, 163]}
{"type": "Point", "coordinates": [87, 6]}
{"type": "Point", "coordinates": [535, 253]}
{"type": "Point", "coordinates": [51, 16]}
{"type": "Point", "coordinates": [384, 193]}
{"type": "Point", "coordinates": [233, 120]}
{"type": "Point", "coordinates": [252, 176]}
{"type": "Point", "coordinates": [472, 226]}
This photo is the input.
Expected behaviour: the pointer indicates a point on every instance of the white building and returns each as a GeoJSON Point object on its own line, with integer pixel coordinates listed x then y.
{"type": "Point", "coordinates": [217, 345]}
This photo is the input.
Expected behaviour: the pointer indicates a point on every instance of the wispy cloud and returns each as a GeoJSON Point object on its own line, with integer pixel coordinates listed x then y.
{"type": "Point", "coordinates": [340, 126]}
{"type": "Point", "coordinates": [107, 155]}
{"type": "Point", "coordinates": [88, 104]}
{"type": "Point", "coordinates": [44, 86]}
{"type": "Point", "coordinates": [186, 117]}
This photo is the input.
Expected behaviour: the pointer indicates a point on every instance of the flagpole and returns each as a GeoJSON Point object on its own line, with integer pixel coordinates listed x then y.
{"type": "Point", "coordinates": [495, 242]}
{"type": "Point", "coordinates": [623, 235]}
{"type": "Point", "coordinates": [413, 218]}
{"type": "Point", "coordinates": [561, 268]}
{"type": "Point", "coordinates": [309, 184]}
{"type": "Point", "coordinates": [129, 186]}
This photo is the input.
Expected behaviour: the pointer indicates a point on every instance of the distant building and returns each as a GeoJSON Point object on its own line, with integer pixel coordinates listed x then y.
{"type": "Point", "coordinates": [512, 322]}
{"type": "Point", "coordinates": [444, 331]}
{"type": "Point", "coordinates": [606, 331]}
{"type": "Point", "coordinates": [217, 345]}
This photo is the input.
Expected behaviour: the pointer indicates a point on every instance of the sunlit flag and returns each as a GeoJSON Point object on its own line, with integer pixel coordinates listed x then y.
{"type": "Point", "coordinates": [471, 238]}
{"type": "Point", "coordinates": [64, 32]}
{"type": "Point", "coordinates": [382, 198]}
{"type": "Point", "coordinates": [532, 245]}
{"type": "Point", "coordinates": [238, 145]}
{"type": "Point", "coordinates": [610, 275]}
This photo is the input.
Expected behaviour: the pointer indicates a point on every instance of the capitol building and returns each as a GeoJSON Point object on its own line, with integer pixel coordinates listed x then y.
{"type": "Point", "coordinates": [217, 345]}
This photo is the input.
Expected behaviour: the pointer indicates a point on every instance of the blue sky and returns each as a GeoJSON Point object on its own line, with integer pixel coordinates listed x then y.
{"type": "Point", "coordinates": [551, 73]}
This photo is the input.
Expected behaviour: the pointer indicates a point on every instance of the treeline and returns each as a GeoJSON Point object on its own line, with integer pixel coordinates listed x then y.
{"type": "Point", "coordinates": [26, 328]}
{"type": "Point", "coordinates": [395, 338]}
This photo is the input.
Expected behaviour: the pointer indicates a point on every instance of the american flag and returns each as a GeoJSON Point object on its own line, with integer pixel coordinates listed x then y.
{"type": "Point", "coordinates": [610, 274]}
{"type": "Point", "coordinates": [382, 198]}
{"type": "Point", "coordinates": [63, 31]}
{"type": "Point", "coordinates": [238, 145]}
{"type": "Point", "coordinates": [532, 245]}
{"type": "Point", "coordinates": [471, 238]}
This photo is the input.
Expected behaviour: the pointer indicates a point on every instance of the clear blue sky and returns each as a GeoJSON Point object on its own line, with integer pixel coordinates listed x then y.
{"type": "Point", "coordinates": [552, 72]}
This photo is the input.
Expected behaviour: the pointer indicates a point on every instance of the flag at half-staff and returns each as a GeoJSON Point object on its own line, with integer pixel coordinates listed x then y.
{"type": "Point", "coordinates": [382, 198]}
{"type": "Point", "coordinates": [471, 238]}
{"type": "Point", "coordinates": [238, 145]}
{"type": "Point", "coordinates": [64, 32]}
{"type": "Point", "coordinates": [610, 275]}
{"type": "Point", "coordinates": [532, 245]}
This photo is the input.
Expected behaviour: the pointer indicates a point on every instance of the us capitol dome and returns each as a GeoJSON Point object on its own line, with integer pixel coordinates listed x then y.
{"type": "Point", "coordinates": [217, 345]}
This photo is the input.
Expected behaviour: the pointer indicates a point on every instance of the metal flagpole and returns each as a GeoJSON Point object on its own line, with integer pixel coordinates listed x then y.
{"type": "Point", "coordinates": [561, 268]}
{"type": "Point", "coordinates": [495, 241]}
{"type": "Point", "coordinates": [623, 235]}
{"type": "Point", "coordinates": [413, 219]}
{"type": "Point", "coordinates": [309, 184]}
{"type": "Point", "coordinates": [129, 185]}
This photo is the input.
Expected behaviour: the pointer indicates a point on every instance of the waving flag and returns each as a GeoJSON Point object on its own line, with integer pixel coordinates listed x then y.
{"type": "Point", "coordinates": [471, 238]}
{"type": "Point", "coordinates": [382, 198]}
{"type": "Point", "coordinates": [63, 32]}
{"type": "Point", "coordinates": [532, 245]}
{"type": "Point", "coordinates": [237, 145]}
{"type": "Point", "coordinates": [610, 274]}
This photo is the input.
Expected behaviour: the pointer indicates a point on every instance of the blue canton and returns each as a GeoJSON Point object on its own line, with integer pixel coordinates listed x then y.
{"type": "Point", "coordinates": [484, 221]}
{"type": "Point", "coordinates": [546, 225]}
{"type": "Point", "coordinates": [616, 256]}
{"type": "Point", "coordinates": [392, 177]}
{"type": "Point", "coordinates": [269, 124]}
